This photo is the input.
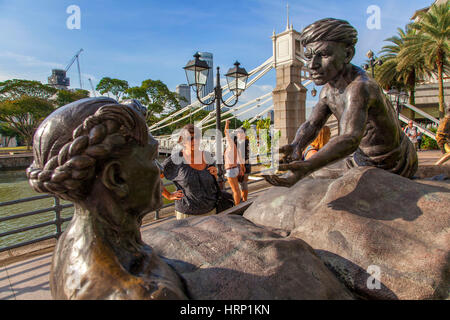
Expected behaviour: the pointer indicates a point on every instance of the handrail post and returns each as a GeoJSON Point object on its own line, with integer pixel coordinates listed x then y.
{"type": "Point", "coordinates": [57, 217]}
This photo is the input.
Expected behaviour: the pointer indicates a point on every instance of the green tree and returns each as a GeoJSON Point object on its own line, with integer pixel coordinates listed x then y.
{"type": "Point", "coordinates": [16, 88]}
{"type": "Point", "coordinates": [431, 41]}
{"type": "Point", "coordinates": [262, 124]}
{"type": "Point", "coordinates": [155, 95]}
{"type": "Point", "coordinates": [401, 76]}
{"type": "Point", "coordinates": [64, 97]}
{"type": "Point", "coordinates": [116, 87]}
{"type": "Point", "coordinates": [23, 115]}
{"type": "Point", "coordinates": [246, 124]}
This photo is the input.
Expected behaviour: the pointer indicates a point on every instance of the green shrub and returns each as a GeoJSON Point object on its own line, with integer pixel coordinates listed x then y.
{"type": "Point", "coordinates": [429, 143]}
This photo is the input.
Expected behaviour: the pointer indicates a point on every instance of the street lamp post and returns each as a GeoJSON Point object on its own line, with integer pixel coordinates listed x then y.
{"type": "Point", "coordinates": [373, 62]}
{"type": "Point", "coordinates": [398, 99]}
{"type": "Point", "coordinates": [197, 75]}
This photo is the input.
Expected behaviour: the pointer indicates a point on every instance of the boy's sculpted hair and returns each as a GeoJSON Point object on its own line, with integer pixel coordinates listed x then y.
{"type": "Point", "coordinates": [330, 29]}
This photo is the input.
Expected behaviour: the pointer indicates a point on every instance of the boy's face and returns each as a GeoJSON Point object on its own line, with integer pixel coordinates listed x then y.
{"type": "Point", "coordinates": [326, 59]}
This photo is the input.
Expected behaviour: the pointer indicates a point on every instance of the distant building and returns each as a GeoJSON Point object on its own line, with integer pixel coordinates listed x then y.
{"type": "Point", "coordinates": [416, 13]}
{"type": "Point", "coordinates": [271, 116]}
{"type": "Point", "coordinates": [209, 87]}
{"type": "Point", "coordinates": [183, 90]}
{"type": "Point", "coordinates": [58, 79]}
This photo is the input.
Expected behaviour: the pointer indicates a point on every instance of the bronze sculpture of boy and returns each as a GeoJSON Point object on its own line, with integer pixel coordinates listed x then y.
{"type": "Point", "coordinates": [369, 133]}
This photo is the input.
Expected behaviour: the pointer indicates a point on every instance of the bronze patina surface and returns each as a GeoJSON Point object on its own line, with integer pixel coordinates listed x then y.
{"type": "Point", "coordinates": [98, 154]}
{"type": "Point", "coordinates": [369, 133]}
{"type": "Point", "coordinates": [443, 133]}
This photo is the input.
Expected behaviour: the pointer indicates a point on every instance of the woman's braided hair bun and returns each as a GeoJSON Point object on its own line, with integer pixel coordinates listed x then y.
{"type": "Point", "coordinates": [71, 144]}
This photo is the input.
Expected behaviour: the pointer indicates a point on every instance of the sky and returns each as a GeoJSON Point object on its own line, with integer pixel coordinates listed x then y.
{"type": "Point", "coordinates": [136, 40]}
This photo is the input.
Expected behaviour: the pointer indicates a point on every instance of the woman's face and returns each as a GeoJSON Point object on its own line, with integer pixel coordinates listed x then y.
{"type": "Point", "coordinates": [143, 178]}
{"type": "Point", "coordinates": [191, 142]}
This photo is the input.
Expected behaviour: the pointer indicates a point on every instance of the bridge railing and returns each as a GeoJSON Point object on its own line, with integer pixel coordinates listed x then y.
{"type": "Point", "coordinates": [422, 113]}
{"type": "Point", "coordinates": [58, 219]}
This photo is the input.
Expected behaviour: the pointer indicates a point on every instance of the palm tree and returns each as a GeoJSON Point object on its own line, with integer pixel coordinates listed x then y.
{"type": "Point", "coordinates": [431, 41]}
{"type": "Point", "coordinates": [401, 76]}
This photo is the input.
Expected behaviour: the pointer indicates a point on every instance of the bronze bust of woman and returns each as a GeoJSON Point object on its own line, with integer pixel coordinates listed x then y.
{"type": "Point", "coordinates": [98, 154]}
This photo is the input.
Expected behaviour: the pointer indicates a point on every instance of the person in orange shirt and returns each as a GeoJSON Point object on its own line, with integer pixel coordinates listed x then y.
{"type": "Point", "coordinates": [322, 138]}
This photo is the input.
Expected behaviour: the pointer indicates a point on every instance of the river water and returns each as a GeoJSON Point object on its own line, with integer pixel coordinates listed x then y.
{"type": "Point", "coordinates": [14, 186]}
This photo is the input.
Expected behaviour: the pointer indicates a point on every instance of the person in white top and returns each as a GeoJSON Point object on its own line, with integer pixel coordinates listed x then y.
{"type": "Point", "coordinates": [234, 165]}
{"type": "Point", "coordinates": [412, 133]}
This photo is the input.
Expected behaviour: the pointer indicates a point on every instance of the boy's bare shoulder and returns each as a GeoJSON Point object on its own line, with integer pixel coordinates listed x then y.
{"type": "Point", "coordinates": [362, 86]}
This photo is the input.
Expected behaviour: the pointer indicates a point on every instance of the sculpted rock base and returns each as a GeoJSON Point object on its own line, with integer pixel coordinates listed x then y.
{"type": "Point", "coordinates": [369, 217]}
{"type": "Point", "coordinates": [228, 257]}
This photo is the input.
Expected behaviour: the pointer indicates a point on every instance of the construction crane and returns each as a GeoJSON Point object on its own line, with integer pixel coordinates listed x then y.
{"type": "Point", "coordinates": [75, 57]}
{"type": "Point", "coordinates": [92, 86]}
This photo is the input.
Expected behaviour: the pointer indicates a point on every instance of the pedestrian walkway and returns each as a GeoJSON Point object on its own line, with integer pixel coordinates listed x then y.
{"type": "Point", "coordinates": [26, 280]}
{"type": "Point", "coordinates": [29, 279]}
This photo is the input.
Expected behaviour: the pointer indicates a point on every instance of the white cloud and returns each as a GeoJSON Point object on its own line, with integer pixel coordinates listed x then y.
{"type": "Point", "coordinates": [29, 61]}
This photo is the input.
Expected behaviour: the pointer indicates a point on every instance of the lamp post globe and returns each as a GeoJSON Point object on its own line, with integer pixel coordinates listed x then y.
{"type": "Point", "coordinates": [197, 72]}
{"type": "Point", "coordinates": [237, 79]}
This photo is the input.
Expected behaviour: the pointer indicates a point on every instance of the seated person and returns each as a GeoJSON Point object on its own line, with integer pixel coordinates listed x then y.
{"type": "Point", "coordinates": [369, 132]}
{"type": "Point", "coordinates": [322, 138]}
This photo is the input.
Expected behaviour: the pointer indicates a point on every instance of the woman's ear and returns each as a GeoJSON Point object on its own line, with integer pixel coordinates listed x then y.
{"type": "Point", "coordinates": [113, 179]}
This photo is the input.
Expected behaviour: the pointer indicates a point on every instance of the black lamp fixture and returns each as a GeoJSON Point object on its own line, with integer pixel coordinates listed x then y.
{"type": "Point", "coordinates": [398, 99]}
{"type": "Point", "coordinates": [237, 79]}
{"type": "Point", "coordinates": [373, 62]}
{"type": "Point", "coordinates": [197, 72]}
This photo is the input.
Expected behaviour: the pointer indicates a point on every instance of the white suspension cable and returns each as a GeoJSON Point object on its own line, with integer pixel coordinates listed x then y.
{"type": "Point", "coordinates": [237, 115]}
{"type": "Point", "coordinates": [268, 64]}
{"type": "Point", "coordinates": [247, 110]}
{"type": "Point", "coordinates": [247, 103]}
{"type": "Point", "coordinates": [209, 116]}
{"type": "Point", "coordinates": [307, 83]}
{"type": "Point", "coordinates": [210, 95]}
{"type": "Point", "coordinates": [260, 114]}
{"type": "Point", "coordinates": [254, 107]}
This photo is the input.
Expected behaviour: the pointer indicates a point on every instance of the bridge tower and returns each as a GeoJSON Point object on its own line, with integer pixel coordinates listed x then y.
{"type": "Point", "coordinates": [289, 95]}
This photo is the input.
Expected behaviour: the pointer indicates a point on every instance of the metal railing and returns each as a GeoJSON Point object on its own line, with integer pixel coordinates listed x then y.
{"type": "Point", "coordinates": [57, 222]}
{"type": "Point", "coordinates": [422, 113]}
{"type": "Point", "coordinates": [58, 219]}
